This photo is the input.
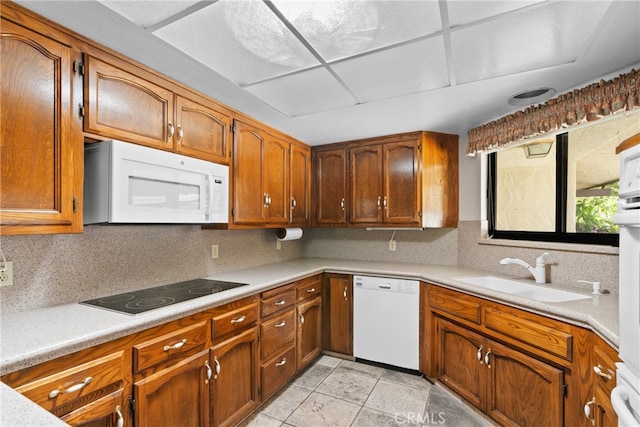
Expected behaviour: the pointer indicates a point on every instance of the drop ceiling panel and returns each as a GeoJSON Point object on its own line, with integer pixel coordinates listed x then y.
{"type": "Point", "coordinates": [548, 35]}
{"type": "Point", "coordinates": [464, 11]}
{"type": "Point", "coordinates": [339, 29]}
{"type": "Point", "coordinates": [304, 93]}
{"type": "Point", "coordinates": [244, 41]}
{"type": "Point", "coordinates": [147, 13]}
{"type": "Point", "coordinates": [410, 68]}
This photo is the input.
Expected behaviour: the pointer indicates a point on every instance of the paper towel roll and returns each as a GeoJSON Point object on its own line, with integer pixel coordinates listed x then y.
{"type": "Point", "coordinates": [289, 233]}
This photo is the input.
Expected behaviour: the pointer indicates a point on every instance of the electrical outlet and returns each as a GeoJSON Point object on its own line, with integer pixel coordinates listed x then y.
{"type": "Point", "coordinates": [392, 245]}
{"type": "Point", "coordinates": [278, 244]}
{"type": "Point", "coordinates": [6, 278]}
{"type": "Point", "coordinates": [214, 252]}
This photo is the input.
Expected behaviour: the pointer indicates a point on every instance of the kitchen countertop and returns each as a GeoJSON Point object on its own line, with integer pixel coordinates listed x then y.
{"type": "Point", "coordinates": [35, 336]}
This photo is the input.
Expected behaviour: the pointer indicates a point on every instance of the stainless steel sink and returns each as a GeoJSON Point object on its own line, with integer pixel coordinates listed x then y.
{"type": "Point", "coordinates": [514, 287]}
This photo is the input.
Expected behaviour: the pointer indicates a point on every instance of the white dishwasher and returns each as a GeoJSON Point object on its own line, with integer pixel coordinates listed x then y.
{"type": "Point", "coordinates": [386, 315]}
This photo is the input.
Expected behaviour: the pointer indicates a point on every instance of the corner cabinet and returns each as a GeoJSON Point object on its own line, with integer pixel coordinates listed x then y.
{"type": "Point", "coordinates": [41, 141]}
{"type": "Point", "coordinates": [271, 179]}
{"type": "Point", "coordinates": [405, 180]}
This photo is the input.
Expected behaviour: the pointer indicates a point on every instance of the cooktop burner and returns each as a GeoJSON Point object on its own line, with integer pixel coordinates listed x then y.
{"type": "Point", "coordinates": [161, 296]}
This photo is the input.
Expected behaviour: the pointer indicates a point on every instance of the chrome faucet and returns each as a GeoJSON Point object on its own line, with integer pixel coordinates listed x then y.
{"type": "Point", "coordinates": [539, 271]}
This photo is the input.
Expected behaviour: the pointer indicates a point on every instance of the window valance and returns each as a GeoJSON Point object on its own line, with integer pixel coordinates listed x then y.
{"type": "Point", "coordinates": [572, 108]}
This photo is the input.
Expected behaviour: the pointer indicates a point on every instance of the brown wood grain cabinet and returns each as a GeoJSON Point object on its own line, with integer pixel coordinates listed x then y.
{"type": "Point", "coordinates": [330, 185]}
{"type": "Point", "coordinates": [309, 326]}
{"type": "Point", "coordinates": [40, 140]}
{"type": "Point", "coordinates": [121, 104]}
{"type": "Point", "coordinates": [599, 409]}
{"type": "Point", "coordinates": [408, 180]}
{"type": "Point", "coordinates": [338, 314]}
{"type": "Point", "coordinates": [300, 185]}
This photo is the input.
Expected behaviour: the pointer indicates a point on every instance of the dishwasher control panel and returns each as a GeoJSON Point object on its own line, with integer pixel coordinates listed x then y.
{"type": "Point", "coordinates": [387, 284]}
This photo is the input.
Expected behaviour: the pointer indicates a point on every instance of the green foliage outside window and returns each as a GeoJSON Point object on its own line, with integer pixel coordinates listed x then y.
{"type": "Point", "coordinates": [593, 214]}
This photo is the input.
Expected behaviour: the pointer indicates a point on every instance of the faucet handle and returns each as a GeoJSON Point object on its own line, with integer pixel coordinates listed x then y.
{"type": "Point", "coordinates": [542, 258]}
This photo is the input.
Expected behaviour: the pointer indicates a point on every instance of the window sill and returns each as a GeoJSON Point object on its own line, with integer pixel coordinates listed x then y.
{"type": "Point", "coordinates": [567, 247]}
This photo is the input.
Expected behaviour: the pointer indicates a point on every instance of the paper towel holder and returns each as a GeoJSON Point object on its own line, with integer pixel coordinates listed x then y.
{"type": "Point", "coordinates": [284, 234]}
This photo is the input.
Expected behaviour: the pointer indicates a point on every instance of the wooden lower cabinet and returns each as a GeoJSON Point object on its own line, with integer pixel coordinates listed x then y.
{"type": "Point", "coordinates": [338, 314]}
{"type": "Point", "coordinates": [511, 387]}
{"type": "Point", "coordinates": [309, 331]}
{"type": "Point", "coordinates": [175, 396]}
{"type": "Point", "coordinates": [108, 411]}
{"type": "Point", "coordinates": [235, 380]}
{"type": "Point", "coordinates": [599, 409]}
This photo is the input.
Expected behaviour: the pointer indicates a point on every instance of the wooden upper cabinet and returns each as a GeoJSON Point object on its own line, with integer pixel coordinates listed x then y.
{"type": "Point", "coordinates": [121, 105]}
{"type": "Point", "coordinates": [406, 180]}
{"type": "Point", "coordinates": [201, 131]}
{"type": "Point", "coordinates": [365, 169]}
{"type": "Point", "coordinates": [261, 177]}
{"type": "Point", "coordinates": [40, 145]}
{"type": "Point", "coordinates": [300, 189]}
{"type": "Point", "coordinates": [330, 186]}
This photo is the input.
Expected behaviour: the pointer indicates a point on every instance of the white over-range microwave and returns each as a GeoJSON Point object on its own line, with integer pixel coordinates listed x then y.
{"type": "Point", "coordinates": [129, 183]}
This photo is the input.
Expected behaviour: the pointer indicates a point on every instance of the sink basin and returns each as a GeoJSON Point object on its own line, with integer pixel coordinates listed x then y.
{"type": "Point", "coordinates": [514, 287]}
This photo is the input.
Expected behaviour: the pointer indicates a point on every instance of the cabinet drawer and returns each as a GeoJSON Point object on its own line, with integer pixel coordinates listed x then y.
{"type": "Point", "coordinates": [277, 333]}
{"type": "Point", "coordinates": [603, 361]}
{"type": "Point", "coordinates": [309, 287]}
{"type": "Point", "coordinates": [74, 387]}
{"type": "Point", "coordinates": [534, 331]}
{"type": "Point", "coordinates": [277, 371]}
{"type": "Point", "coordinates": [234, 320]}
{"type": "Point", "coordinates": [170, 346]}
{"type": "Point", "coordinates": [456, 304]}
{"type": "Point", "coordinates": [278, 302]}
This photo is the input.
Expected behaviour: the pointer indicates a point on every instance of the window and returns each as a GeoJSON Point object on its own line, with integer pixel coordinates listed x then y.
{"type": "Point", "coordinates": [559, 189]}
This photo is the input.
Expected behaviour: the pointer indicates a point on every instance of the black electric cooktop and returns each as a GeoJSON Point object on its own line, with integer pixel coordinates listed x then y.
{"type": "Point", "coordinates": [161, 296]}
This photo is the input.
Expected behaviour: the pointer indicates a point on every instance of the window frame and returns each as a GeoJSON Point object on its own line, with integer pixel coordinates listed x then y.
{"type": "Point", "coordinates": [560, 235]}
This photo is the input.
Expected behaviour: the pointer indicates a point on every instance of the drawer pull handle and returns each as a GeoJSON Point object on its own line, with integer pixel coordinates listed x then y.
{"type": "Point", "coordinates": [172, 130]}
{"type": "Point", "coordinates": [281, 324]}
{"type": "Point", "coordinates": [479, 355]}
{"type": "Point", "coordinates": [180, 134]}
{"type": "Point", "coordinates": [238, 320]}
{"type": "Point", "coordinates": [120, 417]}
{"type": "Point", "coordinates": [209, 371]}
{"type": "Point", "coordinates": [217, 362]}
{"type": "Point", "coordinates": [598, 370]}
{"type": "Point", "coordinates": [344, 293]}
{"type": "Point", "coordinates": [72, 389]}
{"type": "Point", "coordinates": [310, 291]}
{"type": "Point", "coordinates": [175, 346]}
{"type": "Point", "coordinates": [487, 359]}
{"type": "Point", "coordinates": [282, 362]}
{"type": "Point", "coordinates": [281, 302]}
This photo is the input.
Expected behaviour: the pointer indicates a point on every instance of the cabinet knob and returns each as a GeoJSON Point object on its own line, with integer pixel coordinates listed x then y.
{"type": "Point", "coordinates": [180, 133]}
{"type": "Point", "coordinates": [479, 355]}
{"type": "Point", "coordinates": [587, 411]}
{"type": "Point", "coordinates": [344, 293]}
{"type": "Point", "coordinates": [599, 371]}
{"type": "Point", "coordinates": [302, 319]}
{"type": "Point", "coordinates": [172, 130]}
{"type": "Point", "coordinates": [279, 303]}
{"type": "Point", "coordinates": [293, 203]}
{"type": "Point", "coordinates": [72, 389]}
{"type": "Point", "coordinates": [218, 368]}
{"type": "Point", "coordinates": [384, 202]}
{"type": "Point", "coordinates": [310, 290]}
{"type": "Point", "coordinates": [342, 203]}
{"type": "Point", "coordinates": [175, 346]}
{"type": "Point", "coordinates": [280, 325]}
{"type": "Point", "coordinates": [281, 362]}
{"type": "Point", "coordinates": [238, 320]}
{"type": "Point", "coordinates": [487, 359]}
{"type": "Point", "coordinates": [120, 417]}
{"type": "Point", "coordinates": [379, 202]}
{"type": "Point", "coordinates": [209, 371]}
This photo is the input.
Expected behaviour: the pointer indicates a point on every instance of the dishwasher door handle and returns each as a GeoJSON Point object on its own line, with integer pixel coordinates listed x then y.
{"type": "Point", "coordinates": [384, 286]}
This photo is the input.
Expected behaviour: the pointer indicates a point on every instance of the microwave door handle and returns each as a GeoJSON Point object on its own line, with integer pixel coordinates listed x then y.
{"type": "Point", "coordinates": [210, 180]}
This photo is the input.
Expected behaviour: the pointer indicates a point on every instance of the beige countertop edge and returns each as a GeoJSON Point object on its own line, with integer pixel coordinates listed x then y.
{"type": "Point", "coordinates": [79, 326]}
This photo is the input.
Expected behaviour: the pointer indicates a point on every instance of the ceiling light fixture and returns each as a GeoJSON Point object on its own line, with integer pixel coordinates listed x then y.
{"type": "Point", "coordinates": [538, 150]}
{"type": "Point", "coordinates": [531, 96]}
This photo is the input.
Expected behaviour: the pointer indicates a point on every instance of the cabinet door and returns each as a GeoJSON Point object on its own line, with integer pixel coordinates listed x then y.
{"type": "Point", "coordinates": [249, 197]}
{"type": "Point", "coordinates": [330, 187]}
{"type": "Point", "coordinates": [300, 188]}
{"type": "Point", "coordinates": [523, 390]}
{"type": "Point", "coordinates": [121, 105]}
{"type": "Point", "coordinates": [309, 333]}
{"type": "Point", "coordinates": [602, 412]}
{"type": "Point", "coordinates": [401, 183]}
{"type": "Point", "coordinates": [276, 180]}
{"type": "Point", "coordinates": [109, 411]}
{"type": "Point", "coordinates": [365, 175]}
{"type": "Point", "coordinates": [234, 386]}
{"type": "Point", "coordinates": [201, 131]}
{"type": "Point", "coordinates": [459, 361]}
{"type": "Point", "coordinates": [41, 168]}
{"type": "Point", "coordinates": [338, 314]}
{"type": "Point", "coordinates": [176, 396]}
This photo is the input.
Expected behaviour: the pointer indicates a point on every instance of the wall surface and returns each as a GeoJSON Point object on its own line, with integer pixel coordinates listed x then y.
{"type": "Point", "coordinates": [107, 259]}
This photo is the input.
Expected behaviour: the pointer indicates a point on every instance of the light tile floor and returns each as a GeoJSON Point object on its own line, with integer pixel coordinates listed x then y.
{"type": "Point", "coordinates": [342, 393]}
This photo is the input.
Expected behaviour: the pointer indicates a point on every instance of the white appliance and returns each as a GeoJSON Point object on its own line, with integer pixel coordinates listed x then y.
{"type": "Point", "coordinates": [386, 320]}
{"type": "Point", "coordinates": [626, 395]}
{"type": "Point", "coordinates": [129, 183]}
